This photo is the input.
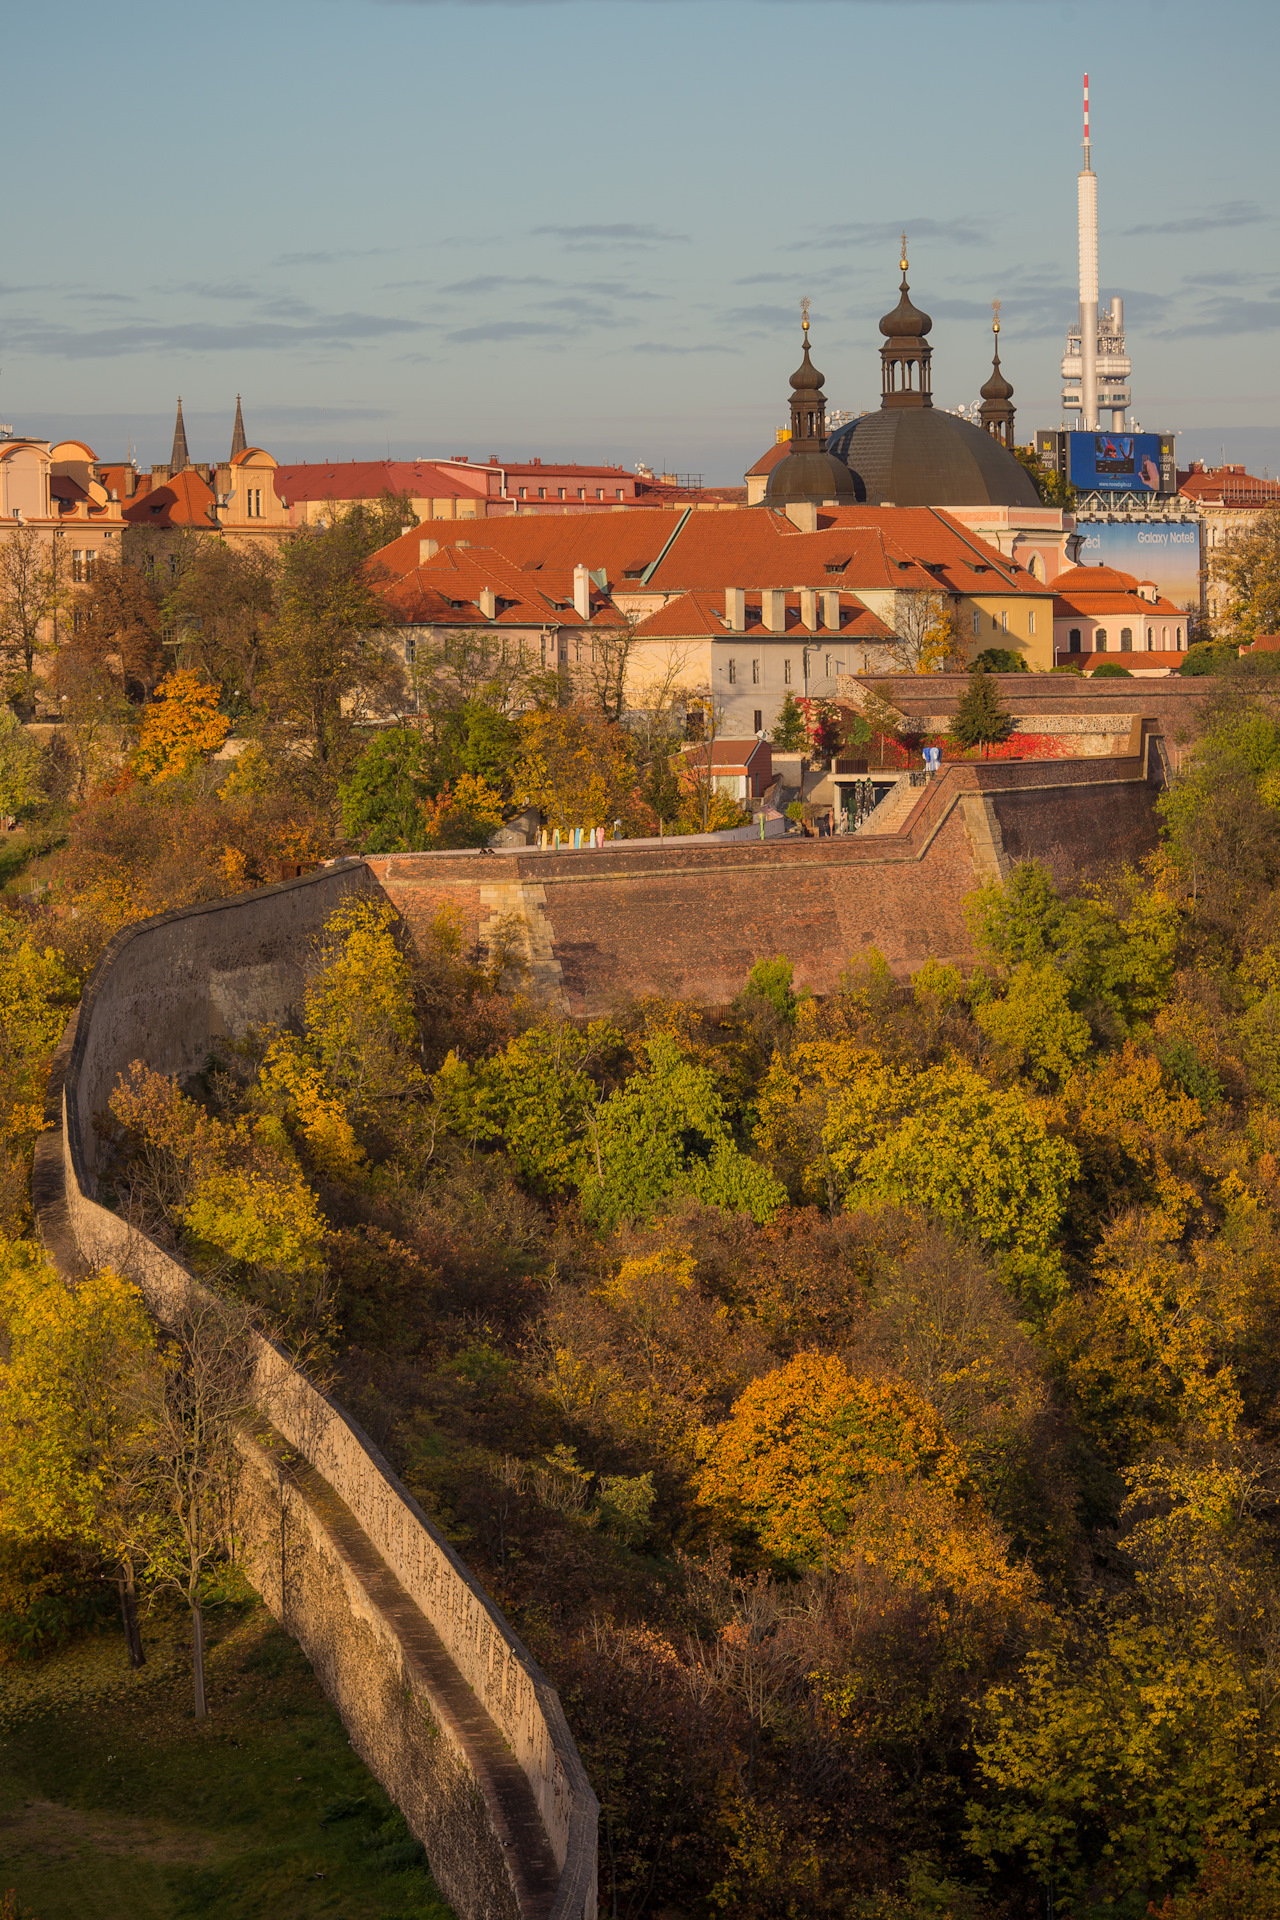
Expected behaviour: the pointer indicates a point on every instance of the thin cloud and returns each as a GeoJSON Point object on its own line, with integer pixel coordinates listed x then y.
{"type": "Point", "coordinates": [326, 256]}
{"type": "Point", "coordinates": [620, 233]}
{"type": "Point", "coordinates": [888, 233]}
{"type": "Point", "coordinates": [503, 330]}
{"type": "Point", "coordinates": [1229, 213]}
{"type": "Point", "coordinates": [665, 348]}
{"type": "Point", "coordinates": [498, 282]}
{"type": "Point", "coordinates": [201, 336]}
{"type": "Point", "coordinates": [1228, 316]}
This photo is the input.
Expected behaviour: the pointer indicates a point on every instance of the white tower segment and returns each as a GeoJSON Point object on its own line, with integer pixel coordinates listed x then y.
{"type": "Point", "coordinates": [1095, 367]}
{"type": "Point", "coordinates": [1087, 208]}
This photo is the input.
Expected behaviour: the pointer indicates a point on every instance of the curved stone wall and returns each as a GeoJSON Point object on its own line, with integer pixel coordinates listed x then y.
{"type": "Point", "coordinates": [439, 1696]}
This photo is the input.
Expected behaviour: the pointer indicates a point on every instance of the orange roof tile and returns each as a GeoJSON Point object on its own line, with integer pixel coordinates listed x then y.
{"type": "Point", "coordinates": [618, 542]}
{"type": "Point", "coordinates": [695, 614]}
{"type": "Point", "coordinates": [183, 501]}
{"type": "Point", "coordinates": [369, 479]}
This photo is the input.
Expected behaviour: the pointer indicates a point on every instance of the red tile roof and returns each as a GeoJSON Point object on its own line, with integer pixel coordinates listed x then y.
{"type": "Point", "coordinates": [446, 589]}
{"type": "Point", "coordinates": [1088, 592]}
{"type": "Point", "coordinates": [730, 753]}
{"type": "Point", "coordinates": [1228, 487]}
{"type": "Point", "coordinates": [184, 501]}
{"type": "Point", "coordinates": [771, 457]}
{"type": "Point", "coordinates": [116, 478]}
{"type": "Point", "coordinates": [695, 614]}
{"type": "Point", "coordinates": [369, 479]}
{"type": "Point", "coordinates": [621, 543]}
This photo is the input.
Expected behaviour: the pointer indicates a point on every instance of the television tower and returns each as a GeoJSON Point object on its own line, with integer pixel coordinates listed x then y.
{"type": "Point", "coordinates": [1095, 367]}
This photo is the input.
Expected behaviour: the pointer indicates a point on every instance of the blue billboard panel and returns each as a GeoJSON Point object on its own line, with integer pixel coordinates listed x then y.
{"type": "Point", "coordinates": [1164, 551]}
{"type": "Point", "coordinates": [1114, 462]}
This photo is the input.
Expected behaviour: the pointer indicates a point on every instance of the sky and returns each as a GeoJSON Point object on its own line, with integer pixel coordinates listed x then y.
{"type": "Point", "coordinates": [581, 229]}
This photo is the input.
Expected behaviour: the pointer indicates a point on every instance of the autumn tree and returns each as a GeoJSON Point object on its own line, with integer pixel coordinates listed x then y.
{"type": "Point", "coordinates": [926, 632]}
{"type": "Point", "coordinates": [789, 732]}
{"type": "Point", "coordinates": [22, 785]}
{"type": "Point", "coordinates": [192, 1404]}
{"type": "Point", "coordinates": [181, 727]}
{"type": "Point", "coordinates": [32, 587]}
{"type": "Point", "coordinates": [382, 797]}
{"type": "Point", "coordinates": [117, 626]}
{"type": "Point", "coordinates": [220, 610]}
{"type": "Point", "coordinates": [75, 1432]}
{"type": "Point", "coordinates": [575, 767]}
{"type": "Point", "coordinates": [1246, 570]}
{"type": "Point", "coordinates": [328, 662]}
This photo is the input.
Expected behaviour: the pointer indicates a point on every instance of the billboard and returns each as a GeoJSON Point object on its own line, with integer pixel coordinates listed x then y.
{"type": "Point", "coordinates": [1114, 462]}
{"type": "Point", "coordinates": [1166, 551]}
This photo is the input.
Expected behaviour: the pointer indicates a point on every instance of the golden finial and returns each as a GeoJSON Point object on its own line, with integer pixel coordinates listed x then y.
{"type": "Point", "coordinates": [995, 316]}
{"type": "Point", "coordinates": [903, 262]}
{"type": "Point", "coordinates": [804, 314]}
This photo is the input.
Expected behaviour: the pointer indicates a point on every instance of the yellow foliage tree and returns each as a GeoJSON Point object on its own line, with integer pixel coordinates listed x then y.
{"type": "Point", "coordinates": [575, 766]}
{"type": "Point", "coordinates": [181, 727]}
{"type": "Point", "coordinates": [806, 1442]}
{"type": "Point", "coordinates": [73, 1426]}
{"type": "Point", "coordinates": [36, 997]}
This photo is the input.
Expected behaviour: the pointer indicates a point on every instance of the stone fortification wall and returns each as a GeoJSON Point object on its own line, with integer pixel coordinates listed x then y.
{"type": "Point", "coordinates": [440, 1698]}
{"type": "Point", "coordinates": [603, 926]}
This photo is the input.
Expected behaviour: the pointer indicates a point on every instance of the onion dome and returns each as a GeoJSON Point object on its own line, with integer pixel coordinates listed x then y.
{"type": "Point", "coordinates": [906, 322]}
{"type": "Point", "coordinates": [806, 378]}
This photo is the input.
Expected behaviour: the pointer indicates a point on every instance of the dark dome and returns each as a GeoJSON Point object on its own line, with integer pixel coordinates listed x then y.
{"type": "Point", "coordinates": [810, 476]}
{"type": "Point", "coordinates": [997, 387]}
{"type": "Point", "coordinates": [806, 377]}
{"type": "Point", "coordinates": [906, 322]}
{"type": "Point", "coordinates": [922, 457]}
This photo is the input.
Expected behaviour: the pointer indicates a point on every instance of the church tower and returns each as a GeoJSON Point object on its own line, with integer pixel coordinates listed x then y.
{"type": "Point", "coordinates": [905, 376]}
{"type": "Point", "coordinates": [238, 441]}
{"type": "Point", "coordinates": [809, 472]}
{"type": "Point", "coordinates": [997, 409]}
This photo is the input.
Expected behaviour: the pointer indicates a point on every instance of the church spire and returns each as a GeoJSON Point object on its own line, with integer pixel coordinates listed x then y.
{"type": "Point", "coordinates": [179, 458]}
{"type": "Point", "coordinates": [997, 409]}
{"type": "Point", "coordinates": [808, 401]}
{"type": "Point", "coordinates": [238, 441]}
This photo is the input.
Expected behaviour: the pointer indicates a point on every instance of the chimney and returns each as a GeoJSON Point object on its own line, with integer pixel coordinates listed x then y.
{"type": "Point", "coordinates": [735, 608]}
{"type": "Point", "coordinates": [582, 593]}
{"type": "Point", "coordinates": [809, 609]}
{"type": "Point", "coordinates": [803, 515]}
{"type": "Point", "coordinates": [773, 609]}
{"type": "Point", "coordinates": [487, 601]}
{"type": "Point", "coordinates": [130, 481]}
{"type": "Point", "coordinates": [831, 611]}
{"type": "Point", "coordinates": [427, 550]}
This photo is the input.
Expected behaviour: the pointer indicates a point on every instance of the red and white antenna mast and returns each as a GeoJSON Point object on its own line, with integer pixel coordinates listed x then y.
{"type": "Point", "coordinates": [1087, 208]}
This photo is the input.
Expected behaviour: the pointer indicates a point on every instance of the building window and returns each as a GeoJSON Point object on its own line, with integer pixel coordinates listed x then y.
{"type": "Point", "coordinates": [1179, 639]}
{"type": "Point", "coordinates": [582, 493]}
{"type": "Point", "coordinates": [1126, 639]}
{"type": "Point", "coordinates": [1151, 639]}
{"type": "Point", "coordinates": [77, 564]}
{"type": "Point", "coordinates": [758, 725]}
{"type": "Point", "coordinates": [786, 673]}
{"type": "Point", "coordinates": [619, 494]}
{"type": "Point", "coordinates": [1100, 640]}
{"type": "Point", "coordinates": [599, 493]}
{"type": "Point", "coordinates": [1031, 621]}
{"type": "Point", "coordinates": [542, 493]}
{"type": "Point", "coordinates": [1164, 638]}
{"type": "Point", "coordinates": [523, 493]}
{"type": "Point", "coordinates": [755, 673]}
{"type": "Point", "coordinates": [827, 666]}
{"type": "Point", "coordinates": [1004, 623]}
{"type": "Point", "coordinates": [410, 649]}
{"type": "Point", "coordinates": [560, 493]}
{"type": "Point", "coordinates": [977, 620]}
{"type": "Point", "coordinates": [733, 673]}
{"type": "Point", "coordinates": [1073, 640]}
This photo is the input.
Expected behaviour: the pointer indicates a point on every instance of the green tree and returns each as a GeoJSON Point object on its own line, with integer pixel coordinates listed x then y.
{"type": "Point", "coordinates": [328, 663]}
{"type": "Point", "coordinates": [383, 795]}
{"type": "Point", "coordinates": [790, 732]}
{"type": "Point", "coordinates": [981, 719]}
{"type": "Point", "coordinates": [661, 789]}
{"type": "Point", "coordinates": [220, 609]}
{"type": "Point", "coordinates": [21, 781]}
{"type": "Point", "coordinates": [999, 660]}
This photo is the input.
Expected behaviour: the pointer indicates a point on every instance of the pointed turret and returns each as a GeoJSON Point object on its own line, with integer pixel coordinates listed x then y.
{"type": "Point", "coordinates": [238, 441]}
{"type": "Point", "coordinates": [905, 379]}
{"type": "Point", "coordinates": [997, 409]}
{"type": "Point", "coordinates": [179, 458]}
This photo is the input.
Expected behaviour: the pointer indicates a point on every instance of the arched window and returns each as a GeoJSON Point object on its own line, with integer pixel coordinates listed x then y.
{"type": "Point", "coordinates": [1035, 567]}
{"type": "Point", "coordinates": [1164, 639]}
{"type": "Point", "coordinates": [1100, 640]}
{"type": "Point", "coordinates": [1179, 639]}
{"type": "Point", "coordinates": [1126, 639]}
{"type": "Point", "coordinates": [1073, 639]}
{"type": "Point", "coordinates": [977, 620]}
{"type": "Point", "coordinates": [1151, 632]}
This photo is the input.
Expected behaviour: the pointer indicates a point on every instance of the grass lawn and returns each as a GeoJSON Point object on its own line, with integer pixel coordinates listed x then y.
{"type": "Point", "coordinates": [116, 1805]}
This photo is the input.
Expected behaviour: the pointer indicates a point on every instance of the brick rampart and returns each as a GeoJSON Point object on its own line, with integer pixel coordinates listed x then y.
{"type": "Point", "coordinates": [605, 925]}
{"type": "Point", "coordinates": [440, 1698]}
